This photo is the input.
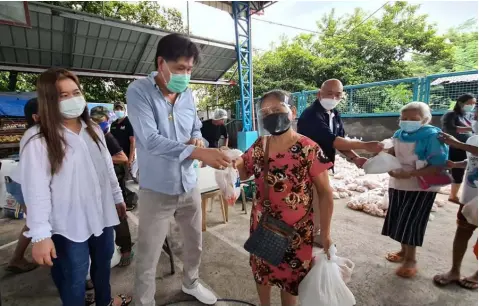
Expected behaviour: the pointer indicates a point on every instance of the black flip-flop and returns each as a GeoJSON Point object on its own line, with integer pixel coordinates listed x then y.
{"type": "Point", "coordinates": [124, 299]}
{"type": "Point", "coordinates": [130, 208]}
{"type": "Point", "coordinates": [441, 281]}
{"type": "Point", "coordinates": [466, 284]}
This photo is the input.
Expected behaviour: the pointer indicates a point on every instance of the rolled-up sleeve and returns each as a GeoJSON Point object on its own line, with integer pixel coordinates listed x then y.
{"type": "Point", "coordinates": [146, 131]}
{"type": "Point", "coordinates": [35, 177]}
{"type": "Point", "coordinates": [197, 129]}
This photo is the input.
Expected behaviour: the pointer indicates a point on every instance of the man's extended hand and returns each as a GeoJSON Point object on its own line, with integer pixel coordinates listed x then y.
{"type": "Point", "coordinates": [214, 158]}
{"type": "Point", "coordinates": [196, 142]}
{"type": "Point", "coordinates": [373, 146]}
{"type": "Point", "coordinates": [359, 161]}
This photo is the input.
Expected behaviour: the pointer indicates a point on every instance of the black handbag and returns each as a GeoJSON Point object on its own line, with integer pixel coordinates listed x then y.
{"type": "Point", "coordinates": [272, 237]}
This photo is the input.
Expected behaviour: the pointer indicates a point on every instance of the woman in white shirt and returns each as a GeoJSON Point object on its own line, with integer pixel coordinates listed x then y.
{"type": "Point", "coordinates": [70, 186]}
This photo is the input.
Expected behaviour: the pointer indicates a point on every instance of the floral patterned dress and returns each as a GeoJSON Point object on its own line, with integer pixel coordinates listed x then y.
{"type": "Point", "coordinates": [291, 192]}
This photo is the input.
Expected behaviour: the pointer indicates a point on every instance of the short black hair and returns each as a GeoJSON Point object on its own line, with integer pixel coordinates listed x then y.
{"type": "Point", "coordinates": [461, 100]}
{"type": "Point", "coordinates": [172, 47]}
{"type": "Point", "coordinates": [30, 109]}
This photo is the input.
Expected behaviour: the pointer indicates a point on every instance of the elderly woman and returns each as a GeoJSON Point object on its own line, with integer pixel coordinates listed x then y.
{"type": "Point", "coordinates": [421, 154]}
{"type": "Point", "coordinates": [458, 124]}
{"type": "Point", "coordinates": [285, 183]}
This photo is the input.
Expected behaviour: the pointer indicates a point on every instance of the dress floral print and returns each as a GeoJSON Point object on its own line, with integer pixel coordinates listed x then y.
{"type": "Point", "coordinates": [291, 193]}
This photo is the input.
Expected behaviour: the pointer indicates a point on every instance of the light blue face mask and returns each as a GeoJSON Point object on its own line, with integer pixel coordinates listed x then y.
{"type": "Point", "coordinates": [410, 126]}
{"type": "Point", "coordinates": [468, 108]}
{"type": "Point", "coordinates": [120, 114]}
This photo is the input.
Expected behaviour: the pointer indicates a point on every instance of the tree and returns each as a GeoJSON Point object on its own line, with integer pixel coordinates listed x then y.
{"type": "Point", "coordinates": [355, 48]}
{"type": "Point", "coordinates": [108, 89]}
{"type": "Point", "coordinates": [463, 41]}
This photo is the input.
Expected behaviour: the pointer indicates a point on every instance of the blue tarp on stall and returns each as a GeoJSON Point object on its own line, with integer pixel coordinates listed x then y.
{"type": "Point", "coordinates": [12, 103]}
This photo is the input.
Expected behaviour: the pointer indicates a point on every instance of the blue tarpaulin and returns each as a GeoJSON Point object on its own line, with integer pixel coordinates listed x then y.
{"type": "Point", "coordinates": [12, 103]}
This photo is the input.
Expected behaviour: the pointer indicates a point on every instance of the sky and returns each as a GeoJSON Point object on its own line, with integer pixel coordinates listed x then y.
{"type": "Point", "coordinates": [212, 23]}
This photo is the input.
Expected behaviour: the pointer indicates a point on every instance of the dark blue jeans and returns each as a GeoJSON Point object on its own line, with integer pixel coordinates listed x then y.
{"type": "Point", "coordinates": [70, 268]}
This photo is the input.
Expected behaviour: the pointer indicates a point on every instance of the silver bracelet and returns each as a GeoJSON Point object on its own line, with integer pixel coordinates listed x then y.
{"type": "Point", "coordinates": [39, 240]}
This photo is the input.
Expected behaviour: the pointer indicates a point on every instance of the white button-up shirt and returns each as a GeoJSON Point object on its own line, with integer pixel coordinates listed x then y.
{"type": "Point", "coordinates": [79, 200]}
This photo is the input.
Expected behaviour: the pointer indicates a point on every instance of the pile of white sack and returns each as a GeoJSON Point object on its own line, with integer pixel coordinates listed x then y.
{"type": "Point", "coordinates": [366, 192]}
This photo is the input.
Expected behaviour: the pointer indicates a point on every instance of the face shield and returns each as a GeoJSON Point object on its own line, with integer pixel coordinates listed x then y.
{"type": "Point", "coordinates": [274, 119]}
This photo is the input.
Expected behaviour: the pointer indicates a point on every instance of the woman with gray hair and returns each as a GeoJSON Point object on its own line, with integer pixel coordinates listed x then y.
{"type": "Point", "coordinates": [421, 154]}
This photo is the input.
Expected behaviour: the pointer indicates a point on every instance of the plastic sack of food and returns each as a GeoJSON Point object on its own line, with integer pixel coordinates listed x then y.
{"type": "Point", "coordinates": [324, 284]}
{"type": "Point", "coordinates": [381, 163]}
{"type": "Point", "coordinates": [228, 180]}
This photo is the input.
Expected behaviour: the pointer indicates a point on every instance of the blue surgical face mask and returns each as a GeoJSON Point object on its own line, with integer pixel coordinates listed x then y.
{"type": "Point", "coordinates": [468, 108]}
{"type": "Point", "coordinates": [410, 126]}
{"type": "Point", "coordinates": [105, 126]}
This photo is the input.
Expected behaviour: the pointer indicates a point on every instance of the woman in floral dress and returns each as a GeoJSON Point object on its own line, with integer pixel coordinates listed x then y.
{"type": "Point", "coordinates": [295, 164]}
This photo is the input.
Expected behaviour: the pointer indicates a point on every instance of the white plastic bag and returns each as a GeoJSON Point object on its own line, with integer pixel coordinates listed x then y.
{"type": "Point", "coordinates": [470, 211]}
{"type": "Point", "coordinates": [381, 163]}
{"type": "Point", "coordinates": [324, 284]}
{"type": "Point", "coordinates": [387, 144]}
{"type": "Point", "coordinates": [346, 266]}
{"type": "Point", "coordinates": [228, 180]}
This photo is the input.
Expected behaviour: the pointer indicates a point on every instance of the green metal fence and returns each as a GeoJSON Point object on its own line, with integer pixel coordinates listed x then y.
{"type": "Point", "coordinates": [384, 99]}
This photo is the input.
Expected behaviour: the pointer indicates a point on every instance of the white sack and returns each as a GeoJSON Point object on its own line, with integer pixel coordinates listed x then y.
{"type": "Point", "coordinates": [228, 180]}
{"type": "Point", "coordinates": [381, 163]}
{"type": "Point", "coordinates": [324, 285]}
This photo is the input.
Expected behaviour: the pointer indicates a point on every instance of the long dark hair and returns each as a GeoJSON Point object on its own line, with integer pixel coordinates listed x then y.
{"type": "Point", "coordinates": [461, 101]}
{"type": "Point", "coordinates": [51, 123]}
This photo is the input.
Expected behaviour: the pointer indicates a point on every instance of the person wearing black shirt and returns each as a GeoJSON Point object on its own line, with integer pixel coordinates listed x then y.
{"type": "Point", "coordinates": [213, 129]}
{"type": "Point", "coordinates": [123, 132]}
{"type": "Point", "coordinates": [99, 114]}
{"type": "Point", "coordinates": [322, 123]}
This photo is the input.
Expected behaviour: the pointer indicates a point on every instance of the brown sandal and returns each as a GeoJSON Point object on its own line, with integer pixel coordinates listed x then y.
{"type": "Point", "coordinates": [406, 272]}
{"type": "Point", "coordinates": [394, 257]}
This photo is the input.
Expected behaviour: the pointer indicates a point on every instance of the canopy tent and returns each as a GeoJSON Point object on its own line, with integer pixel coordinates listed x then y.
{"type": "Point", "coordinates": [91, 45]}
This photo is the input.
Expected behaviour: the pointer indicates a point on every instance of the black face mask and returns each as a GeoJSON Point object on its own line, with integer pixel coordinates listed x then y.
{"type": "Point", "coordinates": [277, 124]}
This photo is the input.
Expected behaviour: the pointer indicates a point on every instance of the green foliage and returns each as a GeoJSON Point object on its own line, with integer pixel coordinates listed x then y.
{"type": "Point", "coordinates": [108, 89]}
{"type": "Point", "coordinates": [357, 49]}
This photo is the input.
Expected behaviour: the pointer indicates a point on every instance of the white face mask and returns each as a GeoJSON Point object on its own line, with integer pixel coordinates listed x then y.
{"type": "Point", "coordinates": [328, 103]}
{"type": "Point", "coordinates": [73, 107]}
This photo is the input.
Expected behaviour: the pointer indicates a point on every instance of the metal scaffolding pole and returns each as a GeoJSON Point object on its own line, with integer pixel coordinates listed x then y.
{"type": "Point", "coordinates": [242, 21]}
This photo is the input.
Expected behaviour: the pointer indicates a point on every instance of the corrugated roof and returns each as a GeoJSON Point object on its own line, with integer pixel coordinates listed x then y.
{"type": "Point", "coordinates": [455, 79]}
{"type": "Point", "coordinates": [92, 45]}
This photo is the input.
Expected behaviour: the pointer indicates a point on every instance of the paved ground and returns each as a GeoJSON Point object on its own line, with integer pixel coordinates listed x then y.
{"type": "Point", "coordinates": [225, 266]}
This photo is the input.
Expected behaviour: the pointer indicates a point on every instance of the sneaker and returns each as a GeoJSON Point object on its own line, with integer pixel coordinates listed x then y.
{"type": "Point", "coordinates": [202, 294]}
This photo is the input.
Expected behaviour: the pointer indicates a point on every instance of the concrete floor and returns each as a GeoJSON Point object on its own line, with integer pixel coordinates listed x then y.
{"type": "Point", "coordinates": [226, 271]}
